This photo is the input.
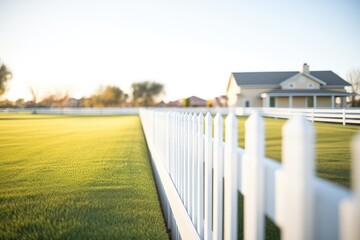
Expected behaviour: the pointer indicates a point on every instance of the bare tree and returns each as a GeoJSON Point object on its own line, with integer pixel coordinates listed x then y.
{"type": "Point", "coordinates": [34, 96]}
{"type": "Point", "coordinates": [5, 76]}
{"type": "Point", "coordinates": [353, 77]}
{"type": "Point", "coordinates": [60, 98]}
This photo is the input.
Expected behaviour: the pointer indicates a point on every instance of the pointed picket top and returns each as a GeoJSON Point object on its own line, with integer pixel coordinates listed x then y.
{"type": "Point", "coordinates": [169, 116]}
{"type": "Point", "coordinates": [188, 118]}
{"type": "Point", "coordinates": [200, 120]}
{"type": "Point", "coordinates": [180, 116]}
{"type": "Point", "coordinates": [208, 126]}
{"type": "Point", "coordinates": [194, 122]}
{"type": "Point", "coordinates": [218, 127]}
{"type": "Point", "coordinates": [231, 132]}
{"type": "Point", "coordinates": [356, 166]}
{"type": "Point", "coordinates": [194, 115]}
{"type": "Point", "coordinates": [254, 136]}
{"type": "Point", "coordinates": [185, 115]}
{"type": "Point", "coordinates": [298, 148]}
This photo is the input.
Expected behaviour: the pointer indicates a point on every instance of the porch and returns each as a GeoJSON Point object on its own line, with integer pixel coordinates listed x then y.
{"type": "Point", "coordinates": [304, 98]}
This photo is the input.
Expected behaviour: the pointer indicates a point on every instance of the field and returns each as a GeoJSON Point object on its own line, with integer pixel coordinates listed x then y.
{"type": "Point", "coordinates": [83, 177]}
{"type": "Point", "coordinates": [73, 177]}
{"type": "Point", "coordinates": [333, 143]}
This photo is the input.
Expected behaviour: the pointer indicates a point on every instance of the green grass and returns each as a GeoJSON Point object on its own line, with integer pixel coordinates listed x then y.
{"type": "Point", "coordinates": [76, 177]}
{"type": "Point", "coordinates": [333, 147]}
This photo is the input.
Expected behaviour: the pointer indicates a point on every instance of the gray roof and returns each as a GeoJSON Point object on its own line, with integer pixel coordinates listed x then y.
{"type": "Point", "coordinates": [306, 92]}
{"type": "Point", "coordinates": [275, 78]}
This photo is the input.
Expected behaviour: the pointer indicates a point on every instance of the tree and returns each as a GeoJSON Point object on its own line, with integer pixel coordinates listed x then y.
{"type": "Point", "coordinates": [109, 96]}
{"type": "Point", "coordinates": [112, 96]}
{"type": "Point", "coordinates": [20, 103]}
{"type": "Point", "coordinates": [145, 93]}
{"type": "Point", "coordinates": [5, 76]}
{"type": "Point", "coordinates": [353, 78]}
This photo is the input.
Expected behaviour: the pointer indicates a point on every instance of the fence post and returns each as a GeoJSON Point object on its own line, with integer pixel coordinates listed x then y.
{"type": "Point", "coordinates": [350, 208]}
{"type": "Point", "coordinates": [231, 175]}
{"type": "Point", "coordinates": [218, 178]}
{"type": "Point", "coordinates": [200, 179]}
{"type": "Point", "coordinates": [298, 172]}
{"type": "Point", "coordinates": [344, 116]}
{"type": "Point", "coordinates": [254, 180]}
{"type": "Point", "coordinates": [208, 220]}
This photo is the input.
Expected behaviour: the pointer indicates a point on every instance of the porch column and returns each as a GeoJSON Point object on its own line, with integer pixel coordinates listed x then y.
{"type": "Point", "coordinates": [315, 103]}
{"type": "Point", "coordinates": [343, 102]}
{"type": "Point", "coordinates": [267, 101]}
{"type": "Point", "coordinates": [332, 101]}
{"type": "Point", "coordinates": [290, 101]}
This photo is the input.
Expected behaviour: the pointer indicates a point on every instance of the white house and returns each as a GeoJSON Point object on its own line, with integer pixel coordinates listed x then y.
{"type": "Point", "coordinates": [287, 89]}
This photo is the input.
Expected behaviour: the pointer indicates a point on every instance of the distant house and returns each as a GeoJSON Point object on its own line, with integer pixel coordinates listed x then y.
{"type": "Point", "coordinates": [73, 102]}
{"type": "Point", "coordinates": [161, 104]}
{"type": "Point", "coordinates": [287, 89]}
{"type": "Point", "coordinates": [176, 103]}
{"type": "Point", "coordinates": [194, 101]}
{"type": "Point", "coordinates": [220, 101]}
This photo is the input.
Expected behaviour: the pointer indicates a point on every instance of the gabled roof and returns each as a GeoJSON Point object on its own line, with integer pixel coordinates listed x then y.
{"type": "Point", "coordinates": [303, 74]}
{"type": "Point", "coordinates": [275, 78]}
{"type": "Point", "coordinates": [330, 78]}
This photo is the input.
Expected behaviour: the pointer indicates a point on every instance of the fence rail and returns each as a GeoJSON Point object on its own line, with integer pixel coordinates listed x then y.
{"type": "Point", "coordinates": [75, 111]}
{"type": "Point", "coordinates": [199, 175]}
{"type": "Point", "coordinates": [337, 115]}
{"type": "Point", "coordinates": [343, 115]}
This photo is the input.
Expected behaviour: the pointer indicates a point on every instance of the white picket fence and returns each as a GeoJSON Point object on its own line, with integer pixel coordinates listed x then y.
{"type": "Point", "coordinates": [199, 175]}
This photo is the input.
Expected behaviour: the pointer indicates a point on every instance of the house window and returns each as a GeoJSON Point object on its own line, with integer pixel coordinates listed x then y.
{"type": "Point", "coordinates": [310, 102]}
{"type": "Point", "coordinates": [247, 103]}
{"type": "Point", "coordinates": [291, 85]}
{"type": "Point", "coordinates": [310, 85]}
{"type": "Point", "coordinates": [272, 101]}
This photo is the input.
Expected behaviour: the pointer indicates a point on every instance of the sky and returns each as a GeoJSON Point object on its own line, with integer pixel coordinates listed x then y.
{"type": "Point", "coordinates": [189, 46]}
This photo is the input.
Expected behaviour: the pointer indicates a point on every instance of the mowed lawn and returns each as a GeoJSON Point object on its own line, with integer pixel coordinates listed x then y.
{"type": "Point", "coordinates": [333, 147]}
{"type": "Point", "coordinates": [76, 177]}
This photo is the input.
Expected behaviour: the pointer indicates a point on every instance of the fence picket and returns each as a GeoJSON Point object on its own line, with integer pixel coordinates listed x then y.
{"type": "Point", "coordinates": [185, 159]}
{"type": "Point", "coordinates": [230, 175]}
{"type": "Point", "coordinates": [189, 165]}
{"type": "Point", "coordinates": [208, 150]}
{"type": "Point", "coordinates": [218, 178]}
{"type": "Point", "coordinates": [350, 207]}
{"type": "Point", "coordinates": [194, 166]}
{"type": "Point", "coordinates": [200, 179]}
{"type": "Point", "coordinates": [298, 169]}
{"type": "Point", "coordinates": [254, 178]}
